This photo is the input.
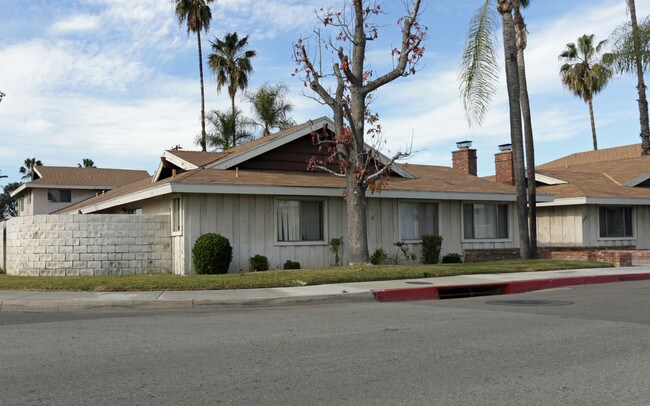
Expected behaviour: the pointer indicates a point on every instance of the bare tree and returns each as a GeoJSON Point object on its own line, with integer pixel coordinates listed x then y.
{"type": "Point", "coordinates": [352, 90]}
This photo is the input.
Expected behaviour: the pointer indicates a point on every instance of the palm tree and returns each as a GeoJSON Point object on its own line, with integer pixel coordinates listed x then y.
{"type": "Point", "coordinates": [529, 144]}
{"type": "Point", "coordinates": [2, 96]}
{"type": "Point", "coordinates": [271, 108]}
{"type": "Point", "coordinates": [583, 74]}
{"type": "Point", "coordinates": [198, 15]}
{"type": "Point", "coordinates": [229, 129]}
{"type": "Point", "coordinates": [230, 62]}
{"type": "Point", "coordinates": [631, 53]}
{"type": "Point", "coordinates": [478, 77]}
{"type": "Point", "coordinates": [28, 169]}
{"type": "Point", "coordinates": [87, 163]}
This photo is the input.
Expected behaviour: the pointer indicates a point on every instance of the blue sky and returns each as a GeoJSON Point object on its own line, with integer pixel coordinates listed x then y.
{"type": "Point", "coordinates": [117, 80]}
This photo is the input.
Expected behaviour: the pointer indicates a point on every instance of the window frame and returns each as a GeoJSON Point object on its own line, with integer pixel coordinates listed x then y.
{"type": "Point", "coordinates": [399, 218]}
{"type": "Point", "coordinates": [632, 222]}
{"type": "Point", "coordinates": [58, 190]}
{"type": "Point", "coordinates": [323, 200]}
{"type": "Point", "coordinates": [488, 240]}
{"type": "Point", "coordinates": [180, 215]}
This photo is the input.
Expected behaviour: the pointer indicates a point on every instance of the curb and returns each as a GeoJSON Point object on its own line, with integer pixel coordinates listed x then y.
{"type": "Point", "coordinates": [505, 288]}
{"type": "Point", "coordinates": [61, 306]}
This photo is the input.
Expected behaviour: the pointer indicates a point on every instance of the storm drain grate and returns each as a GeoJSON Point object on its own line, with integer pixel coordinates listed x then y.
{"type": "Point", "coordinates": [456, 292]}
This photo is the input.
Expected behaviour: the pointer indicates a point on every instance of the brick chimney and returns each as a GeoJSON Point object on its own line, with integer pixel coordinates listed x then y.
{"type": "Point", "coordinates": [504, 166]}
{"type": "Point", "coordinates": [464, 158]}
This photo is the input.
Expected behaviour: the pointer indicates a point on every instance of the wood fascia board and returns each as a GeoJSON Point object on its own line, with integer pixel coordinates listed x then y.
{"type": "Point", "coordinates": [623, 201]}
{"type": "Point", "coordinates": [17, 191]}
{"type": "Point", "coordinates": [548, 180]}
{"type": "Point", "coordinates": [156, 176]}
{"type": "Point", "coordinates": [236, 159]}
{"type": "Point", "coordinates": [638, 179]}
{"type": "Point", "coordinates": [129, 198]}
{"type": "Point", "coordinates": [181, 163]}
{"type": "Point", "coordinates": [336, 192]}
{"type": "Point", "coordinates": [38, 173]}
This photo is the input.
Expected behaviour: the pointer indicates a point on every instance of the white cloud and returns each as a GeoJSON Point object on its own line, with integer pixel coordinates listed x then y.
{"type": "Point", "coordinates": [76, 24]}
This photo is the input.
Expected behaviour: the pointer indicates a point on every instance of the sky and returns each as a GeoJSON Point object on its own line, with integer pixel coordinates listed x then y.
{"type": "Point", "coordinates": [117, 81]}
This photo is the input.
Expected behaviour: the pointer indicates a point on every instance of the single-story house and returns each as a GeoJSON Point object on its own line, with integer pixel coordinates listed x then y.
{"type": "Point", "coordinates": [57, 187]}
{"type": "Point", "coordinates": [602, 199]}
{"type": "Point", "coordinates": [261, 196]}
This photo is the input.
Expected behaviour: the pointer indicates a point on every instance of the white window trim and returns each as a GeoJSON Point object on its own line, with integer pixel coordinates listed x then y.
{"type": "Point", "coordinates": [399, 217]}
{"type": "Point", "coordinates": [180, 215]}
{"type": "Point", "coordinates": [325, 240]}
{"type": "Point", "coordinates": [634, 225]}
{"type": "Point", "coordinates": [488, 240]}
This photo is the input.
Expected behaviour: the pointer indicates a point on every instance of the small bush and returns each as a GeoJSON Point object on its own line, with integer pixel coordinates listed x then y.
{"type": "Point", "coordinates": [2, 271]}
{"type": "Point", "coordinates": [335, 246]}
{"type": "Point", "coordinates": [259, 263]}
{"type": "Point", "coordinates": [452, 258]}
{"type": "Point", "coordinates": [403, 253]}
{"type": "Point", "coordinates": [291, 264]}
{"type": "Point", "coordinates": [211, 254]}
{"type": "Point", "coordinates": [378, 257]}
{"type": "Point", "coordinates": [431, 245]}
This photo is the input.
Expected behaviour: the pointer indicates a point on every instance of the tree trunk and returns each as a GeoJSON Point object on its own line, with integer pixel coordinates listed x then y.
{"type": "Point", "coordinates": [593, 124]}
{"type": "Point", "coordinates": [357, 225]}
{"type": "Point", "coordinates": [203, 137]}
{"type": "Point", "coordinates": [643, 101]}
{"type": "Point", "coordinates": [512, 81]}
{"type": "Point", "coordinates": [528, 132]}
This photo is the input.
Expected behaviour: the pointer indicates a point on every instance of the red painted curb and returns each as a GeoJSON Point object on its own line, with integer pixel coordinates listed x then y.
{"type": "Point", "coordinates": [433, 292]}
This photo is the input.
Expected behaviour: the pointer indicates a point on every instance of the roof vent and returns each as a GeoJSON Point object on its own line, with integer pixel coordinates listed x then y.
{"type": "Point", "coordinates": [505, 147]}
{"type": "Point", "coordinates": [463, 144]}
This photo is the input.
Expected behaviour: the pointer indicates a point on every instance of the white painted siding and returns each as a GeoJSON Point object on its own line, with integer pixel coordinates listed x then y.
{"type": "Point", "coordinates": [248, 221]}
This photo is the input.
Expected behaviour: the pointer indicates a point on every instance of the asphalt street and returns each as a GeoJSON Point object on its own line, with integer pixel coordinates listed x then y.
{"type": "Point", "coordinates": [586, 345]}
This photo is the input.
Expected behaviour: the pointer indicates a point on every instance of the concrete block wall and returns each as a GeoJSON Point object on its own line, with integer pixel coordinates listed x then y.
{"type": "Point", "coordinates": [88, 244]}
{"type": "Point", "coordinates": [3, 265]}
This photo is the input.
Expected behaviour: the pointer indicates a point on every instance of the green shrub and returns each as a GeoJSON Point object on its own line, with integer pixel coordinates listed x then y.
{"type": "Point", "coordinates": [211, 254]}
{"type": "Point", "coordinates": [291, 264]}
{"type": "Point", "coordinates": [259, 263]}
{"type": "Point", "coordinates": [2, 271]}
{"type": "Point", "coordinates": [378, 257]}
{"type": "Point", "coordinates": [431, 245]}
{"type": "Point", "coordinates": [335, 246]}
{"type": "Point", "coordinates": [403, 253]}
{"type": "Point", "coordinates": [452, 258]}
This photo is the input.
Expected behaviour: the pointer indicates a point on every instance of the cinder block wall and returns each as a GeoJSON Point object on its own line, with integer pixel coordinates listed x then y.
{"type": "Point", "coordinates": [88, 244]}
{"type": "Point", "coordinates": [3, 265]}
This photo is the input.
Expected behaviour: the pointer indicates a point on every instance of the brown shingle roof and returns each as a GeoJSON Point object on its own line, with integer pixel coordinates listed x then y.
{"type": "Point", "coordinates": [586, 184]}
{"type": "Point", "coordinates": [430, 179]}
{"type": "Point", "coordinates": [68, 176]}
{"type": "Point", "coordinates": [601, 155]}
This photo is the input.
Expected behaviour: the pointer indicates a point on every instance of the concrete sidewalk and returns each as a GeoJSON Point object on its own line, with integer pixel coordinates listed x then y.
{"type": "Point", "coordinates": [408, 289]}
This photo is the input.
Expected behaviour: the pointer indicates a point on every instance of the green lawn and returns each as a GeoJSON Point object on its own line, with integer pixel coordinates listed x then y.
{"type": "Point", "coordinates": [270, 279]}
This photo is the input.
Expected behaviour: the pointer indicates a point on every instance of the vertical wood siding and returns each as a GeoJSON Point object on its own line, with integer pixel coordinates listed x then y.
{"type": "Point", "coordinates": [248, 221]}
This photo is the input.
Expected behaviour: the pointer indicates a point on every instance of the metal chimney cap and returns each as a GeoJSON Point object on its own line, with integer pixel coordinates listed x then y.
{"type": "Point", "coordinates": [505, 147]}
{"type": "Point", "coordinates": [463, 144]}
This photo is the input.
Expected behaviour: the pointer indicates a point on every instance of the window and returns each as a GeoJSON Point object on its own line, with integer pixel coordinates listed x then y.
{"type": "Point", "coordinates": [59, 196]}
{"type": "Point", "coordinates": [176, 215]}
{"type": "Point", "coordinates": [417, 219]}
{"type": "Point", "coordinates": [21, 203]}
{"type": "Point", "coordinates": [485, 221]}
{"type": "Point", "coordinates": [29, 197]}
{"type": "Point", "coordinates": [134, 211]}
{"type": "Point", "coordinates": [299, 220]}
{"type": "Point", "coordinates": [615, 222]}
